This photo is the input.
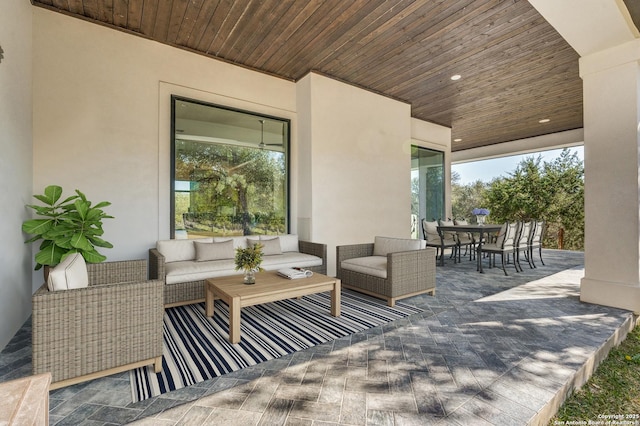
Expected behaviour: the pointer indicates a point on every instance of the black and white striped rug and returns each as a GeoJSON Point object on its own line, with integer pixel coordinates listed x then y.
{"type": "Point", "coordinates": [197, 348]}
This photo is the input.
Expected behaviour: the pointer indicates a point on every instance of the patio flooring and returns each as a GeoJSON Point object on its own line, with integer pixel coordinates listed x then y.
{"type": "Point", "coordinates": [488, 349]}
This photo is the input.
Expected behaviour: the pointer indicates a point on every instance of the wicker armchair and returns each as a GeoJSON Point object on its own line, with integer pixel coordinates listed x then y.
{"type": "Point", "coordinates": [408, 273]}
{"type": "Point", "coordinates": [113, 325]}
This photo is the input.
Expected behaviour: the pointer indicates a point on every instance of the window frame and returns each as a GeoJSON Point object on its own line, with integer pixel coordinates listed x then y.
{"type": "Point", "coordinates": [417, 149]}
{"type": "Point", "coordinates": [172, 175]}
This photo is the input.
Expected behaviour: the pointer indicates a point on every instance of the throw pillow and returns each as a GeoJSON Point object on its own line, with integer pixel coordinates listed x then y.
{"type": "Point", "coordinates": [238, 242]}
{"type": "Point", "coordinates": [271, 247]}
{"type": "Point", "coordinates": [179, 250]}
{"type": "Point", "coordinates": [251, 241]}
{"type": "Point", "coordinates": [214, 251]}
{"type": "Point", "coordinates": [68, 274]}
{"type": "Point", "coordinates": [288, 242]}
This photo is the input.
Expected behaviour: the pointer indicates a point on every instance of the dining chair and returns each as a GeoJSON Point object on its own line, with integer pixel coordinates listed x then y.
{"type": "Point", "coordinates": [504, 245]}
{"type": "Point", "coordinates": [434, 238]}
{"type": "Point", "coordinates": [535, 241]}
{"type": "Point", "coordinates": [465, 239]}
{"type": "Point", "coordinates": [450, 236]}
{"type": "Point", "coordinates": [522, 242]}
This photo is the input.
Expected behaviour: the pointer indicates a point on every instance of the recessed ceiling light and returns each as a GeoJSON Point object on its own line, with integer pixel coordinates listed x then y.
{"type": "Point", "coordinates": [457, 140]}
{"type": "Point", "coordinates": [544, 120]}
{"type": "Point", "coordinates": [456, 77]}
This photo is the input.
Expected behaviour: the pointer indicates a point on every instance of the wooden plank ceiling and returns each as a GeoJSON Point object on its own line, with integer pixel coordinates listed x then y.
{"type": "Point", "coordinates": [515, 68]}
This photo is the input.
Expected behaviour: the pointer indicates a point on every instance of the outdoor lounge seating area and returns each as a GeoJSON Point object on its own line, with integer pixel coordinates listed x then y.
{"type": "Point", "coordinates": [449, 353]}
{"type": "Point", "coordinates": [184, 264]}
{"type": "Point", "coordinates": [327, 132]}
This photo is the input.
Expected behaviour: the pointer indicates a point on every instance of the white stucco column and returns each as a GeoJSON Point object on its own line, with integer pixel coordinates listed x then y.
{"type": "Point", "coordinates": [603, 34]}
{"type": "Point", "coordinates": [611, 85]}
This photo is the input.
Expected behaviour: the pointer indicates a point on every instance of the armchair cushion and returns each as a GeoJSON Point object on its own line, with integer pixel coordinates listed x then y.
{"type": "Point", "coordinates": [370, 265]}
{"type": "Point", "coordinates": [68, 274]}
{"type": "Point", "coordinates": [385, 245]}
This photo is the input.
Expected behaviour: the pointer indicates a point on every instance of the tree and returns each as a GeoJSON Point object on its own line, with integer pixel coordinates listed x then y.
{"type": "Point", "coordinates": [552, 191]}
{"type": "Point", "coordinates": [464, 198]}
{"type": "Point", "coordinates": [524, 195]}
{"type": "Point", "coordinates": [566, 176]}
{"type": "Point", "coordinates": [225, 177]}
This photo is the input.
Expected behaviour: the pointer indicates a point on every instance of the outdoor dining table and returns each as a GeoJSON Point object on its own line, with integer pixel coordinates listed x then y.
{"type": "Point", "coordinates": [486, 228]}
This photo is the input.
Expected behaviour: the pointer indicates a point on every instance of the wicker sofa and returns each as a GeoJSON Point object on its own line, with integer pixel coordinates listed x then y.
{"type": "Point", "coordinates": [175, 263]}
{"type": "Point", "coordinates": [389, 268]}
{"type": "Point", "coordinates": [113, 325]}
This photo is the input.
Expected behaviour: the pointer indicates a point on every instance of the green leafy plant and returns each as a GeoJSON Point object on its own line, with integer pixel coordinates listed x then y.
{"type": "Point", "coordinates": [72, 225]}
{"type": "Point", "coordinates": [250, 258]}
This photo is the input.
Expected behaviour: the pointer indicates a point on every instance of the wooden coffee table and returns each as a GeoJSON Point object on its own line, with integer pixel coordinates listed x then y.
{"type": "Point", "coordinates": [269, 287]}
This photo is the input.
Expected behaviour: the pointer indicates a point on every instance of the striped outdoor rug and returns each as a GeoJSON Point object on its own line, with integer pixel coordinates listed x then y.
{"type": "Point", "coordinates": [197, 348]}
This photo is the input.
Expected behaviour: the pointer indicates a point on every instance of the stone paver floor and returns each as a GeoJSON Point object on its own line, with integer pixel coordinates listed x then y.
{"type": "Point", "coordinates": [488, 349]}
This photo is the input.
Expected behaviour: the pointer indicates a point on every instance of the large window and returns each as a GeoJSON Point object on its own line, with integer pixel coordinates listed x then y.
{"type": "Point", "coordinates": [229, 171]}
{"type": "Point", "coordinates": [427, 187]}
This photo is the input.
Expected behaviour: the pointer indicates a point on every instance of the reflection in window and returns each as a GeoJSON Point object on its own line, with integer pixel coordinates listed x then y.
{"type": "Point", "coordinates": [229, 171]}
{"type": "Point", "coordinates": [427, 187]}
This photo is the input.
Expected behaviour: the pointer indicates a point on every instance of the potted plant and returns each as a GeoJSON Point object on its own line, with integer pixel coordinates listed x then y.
{"type": "Point", "coordinates": [249, 260]}
{"type": "Point", "coordinates": [72, 225]}
{"type": "Point", "coordinates": [481, 215]}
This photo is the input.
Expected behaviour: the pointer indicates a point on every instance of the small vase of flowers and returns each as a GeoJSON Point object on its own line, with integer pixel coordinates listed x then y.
{"type": "Point", "coordinates": [481, 215]}
{"type": "Point", "coordinates": [249, 260]}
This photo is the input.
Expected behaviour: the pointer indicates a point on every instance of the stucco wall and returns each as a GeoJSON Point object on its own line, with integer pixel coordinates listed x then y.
{"type": "Point", "coordinates": [360, 172]}
{"type": "Point", "coordinates": [102, 118]}
{"type": "Point", "coordinates": [15, 165]}
{"type": "Point", "coordinates": [102, 124]}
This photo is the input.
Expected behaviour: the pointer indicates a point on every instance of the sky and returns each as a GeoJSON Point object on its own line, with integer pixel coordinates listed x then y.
{"type": "Point", "coordinates": [486, 170]}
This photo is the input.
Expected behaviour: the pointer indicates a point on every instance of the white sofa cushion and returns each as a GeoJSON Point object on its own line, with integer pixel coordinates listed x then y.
{"type": "Point", "coordinates": [289, 260]}
{"type": "Point", "coordinates": [385, 245]}
{"type": "Point", "coordinates": [178, 250]}
{"type": "Point", "coordinates": [369, 265]}
{"type": "Point", "coordinates": [184, 271]}
{"type": "Point", "coordinates": [214, 251]}
{"type": "Point", "coordinates": [68, 274]}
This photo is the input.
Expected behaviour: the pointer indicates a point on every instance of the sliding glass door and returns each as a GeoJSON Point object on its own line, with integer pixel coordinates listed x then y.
{"type": "Point", "coordinates": [427, 187]}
